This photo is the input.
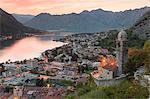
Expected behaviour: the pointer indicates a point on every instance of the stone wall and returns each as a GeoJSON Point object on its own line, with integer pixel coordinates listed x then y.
{"type": "Point", "coordinates": [108, 82]}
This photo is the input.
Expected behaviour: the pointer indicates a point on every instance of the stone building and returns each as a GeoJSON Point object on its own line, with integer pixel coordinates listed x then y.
{"type": "Point", "coordinates": [111, 72]}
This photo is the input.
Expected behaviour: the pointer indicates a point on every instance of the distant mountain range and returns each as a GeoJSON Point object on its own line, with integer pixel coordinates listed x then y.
{"type": "Point", "coordinates": [87, 21]}
{"type": "Point", "coordinates": [22, 18]}
{"type": "Point", "coordinates": [10, 26]}
{"type": "Point", "coordinates": [142, 27]}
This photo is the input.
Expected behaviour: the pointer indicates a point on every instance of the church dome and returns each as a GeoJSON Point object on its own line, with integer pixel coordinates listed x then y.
{"type": "Point", "coordinates": [122, 35]}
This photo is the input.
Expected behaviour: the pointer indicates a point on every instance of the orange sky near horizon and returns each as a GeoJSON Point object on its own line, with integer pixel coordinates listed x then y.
{"type": "Point", "coordinates": [68, 6]}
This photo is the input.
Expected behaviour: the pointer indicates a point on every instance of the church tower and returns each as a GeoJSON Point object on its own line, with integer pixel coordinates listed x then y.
{"type": "Point", "coordinates": [121, 51]}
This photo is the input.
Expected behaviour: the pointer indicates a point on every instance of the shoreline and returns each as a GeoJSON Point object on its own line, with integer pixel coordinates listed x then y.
{"type": "Point", "coordinates": [33, 57]}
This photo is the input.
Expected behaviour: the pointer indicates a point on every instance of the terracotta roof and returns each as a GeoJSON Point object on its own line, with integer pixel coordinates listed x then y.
{"type": "Point", "coordinates": [110, 68]}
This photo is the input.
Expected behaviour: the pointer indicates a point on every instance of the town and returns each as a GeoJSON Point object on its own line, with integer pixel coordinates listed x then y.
{"type": "Point", "coordinates": [59, 71]}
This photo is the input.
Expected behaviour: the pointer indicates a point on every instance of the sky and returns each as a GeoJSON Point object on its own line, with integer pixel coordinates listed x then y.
{"type": "Point", "coordinates": [35, 7]}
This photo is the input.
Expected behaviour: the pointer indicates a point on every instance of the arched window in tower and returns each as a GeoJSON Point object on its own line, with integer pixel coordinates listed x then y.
{"type": "Point", "coordinates": [121, 37]}
{"type": "Point", "coordinates": [118, 44]}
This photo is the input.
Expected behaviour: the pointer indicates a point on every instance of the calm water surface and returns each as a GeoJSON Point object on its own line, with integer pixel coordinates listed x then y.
{"type": "Point", "coordinates": [27, 48]}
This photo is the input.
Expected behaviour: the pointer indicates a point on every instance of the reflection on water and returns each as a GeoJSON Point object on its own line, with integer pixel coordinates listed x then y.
{"type": "Point", "coordinates": [27, 48]}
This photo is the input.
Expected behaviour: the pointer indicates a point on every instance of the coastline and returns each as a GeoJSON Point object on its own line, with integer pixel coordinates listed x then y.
{"type": "Point", "coordinates": [50, 41]}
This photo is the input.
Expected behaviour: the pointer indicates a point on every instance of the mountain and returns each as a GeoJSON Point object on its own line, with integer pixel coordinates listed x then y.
{"type": "Point", "coordinates": [142, 27]}
{"type": "Point", "coordinates": [87, 21]}
{"type": "Point", "coordinates": [22, 18]}
{"type": "Point", "coordinates": [10, 26]}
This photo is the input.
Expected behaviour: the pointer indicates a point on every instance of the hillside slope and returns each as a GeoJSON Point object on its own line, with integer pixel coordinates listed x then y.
{"type": "Point", "coordinates": [142, 27]}
{"type": "Point", "coordinates": [10, 26]}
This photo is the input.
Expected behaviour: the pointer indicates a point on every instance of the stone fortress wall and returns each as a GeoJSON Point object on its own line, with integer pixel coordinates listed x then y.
{"type": "Point", "coordinates": [108, 82]}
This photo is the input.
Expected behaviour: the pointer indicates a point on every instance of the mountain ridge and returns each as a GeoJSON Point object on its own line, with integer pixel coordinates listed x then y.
{"type": "Point", "coordinates": [87, 21]}
{"type": "Point", "coordinates": [22, 18]}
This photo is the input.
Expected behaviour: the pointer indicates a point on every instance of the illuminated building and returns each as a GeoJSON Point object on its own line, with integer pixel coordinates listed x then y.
{"type": "Point", "coordinates": [110, 69]}
{"type": "Point", "coordinates": [107, 68]}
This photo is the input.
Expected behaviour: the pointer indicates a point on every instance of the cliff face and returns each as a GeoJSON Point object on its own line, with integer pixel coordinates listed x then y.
{"type": "Point", "coordinates": [142, 27]}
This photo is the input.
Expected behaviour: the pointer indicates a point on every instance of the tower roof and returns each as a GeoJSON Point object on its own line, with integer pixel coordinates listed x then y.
{"type": "Point", "coordinates": [122, 35]}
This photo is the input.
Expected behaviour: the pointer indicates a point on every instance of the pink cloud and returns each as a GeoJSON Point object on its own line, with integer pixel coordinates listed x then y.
{"type": "Point", "coordinates": [30, 3]}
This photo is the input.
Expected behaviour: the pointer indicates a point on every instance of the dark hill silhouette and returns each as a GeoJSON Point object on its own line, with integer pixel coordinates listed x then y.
{"type": "Point", "coordinates": [10, 26]}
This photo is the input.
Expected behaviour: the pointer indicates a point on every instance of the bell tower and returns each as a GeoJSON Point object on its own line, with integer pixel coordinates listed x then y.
{"type": "Point", "coordinates": [121, 51]}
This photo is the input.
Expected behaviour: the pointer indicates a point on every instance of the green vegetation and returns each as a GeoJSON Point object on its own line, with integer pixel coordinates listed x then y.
{"type": "Point", "coordinates": [8, 89]}
{"type": "Point", "coordinates": [40, 82]}
{"type": "Point", "coordinates": [135, 41]}
{"type": "Point", "coordinates": [137, 58]}
{"type": "Point", "coordinates": [66, 83]}
{"type": "Point", "coordinates": [147, 51]}
{"type": "Point", "coordinates": [147, 45]}
{"type": "Point", "coordinates": [107, 43]}
{"type": "Point", "coordinates": [82, 89]}
{"type": "Point", "coordinates": [110, 41]}
{"type": "Point", "coordinates": [124, 90]}
{"type": "Point", "coordinates": [85, 69]}
{"type": "Point", "coordinates": [88, 70]}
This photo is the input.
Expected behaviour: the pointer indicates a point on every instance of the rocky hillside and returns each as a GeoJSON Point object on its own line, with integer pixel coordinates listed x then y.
{"type": "Point", "coordinates": [10, 26]}
{"type": "Point", "coordinates": [87, 21]}
{"type": "Point", "coordinates": [142, 27]}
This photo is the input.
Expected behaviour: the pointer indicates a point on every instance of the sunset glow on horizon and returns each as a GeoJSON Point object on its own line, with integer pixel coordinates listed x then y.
{"type": "Point", "coordinates": [68, 6]}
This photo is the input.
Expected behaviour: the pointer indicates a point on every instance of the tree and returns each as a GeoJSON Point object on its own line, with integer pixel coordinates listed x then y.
{"type": "Point", "coordinates": [8, 89]}
{"type": "Point", "coordinates": [147, 45]}
{"type": "Point", "coordinates": [40, 82]}
{"type": "Point", "coordinates": [47, 73]}
{"type": "Point", "coordinates": [147, 59]}
{"type": "Point", "coordinates": [137, 58]}
{"type": "Point", "coordinates": [130, 67]}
